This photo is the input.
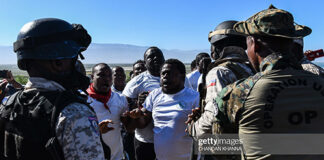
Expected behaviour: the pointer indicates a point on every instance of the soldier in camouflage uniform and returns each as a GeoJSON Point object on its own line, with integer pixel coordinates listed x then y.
{"type": "Point", "coordinates": [231, 64]}
{"type": "Point", "coordinates": [306, 64]}
{"type": "Point", "coordinates": [268, 101]}
{"type": "Point", "coordinates": [48, 49]}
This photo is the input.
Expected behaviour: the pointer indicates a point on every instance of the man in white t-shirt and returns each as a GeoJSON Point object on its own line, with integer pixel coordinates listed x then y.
{"type": "Point", "coordinates": [138, 68]}
{"type": "Point", "coordinates": [145, 82]}
{"type": "Point", "coordinates": [108, 105]}
{"type": "Point", "coordinates": [168, 107]}
{"type": "Point", "coordinates": [194, 76]}
{"type": "Point", "coordinates": [119, 79]}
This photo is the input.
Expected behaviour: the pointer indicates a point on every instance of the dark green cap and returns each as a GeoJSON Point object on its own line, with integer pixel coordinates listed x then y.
{"type": "Point", "coordinates": [272, 22]}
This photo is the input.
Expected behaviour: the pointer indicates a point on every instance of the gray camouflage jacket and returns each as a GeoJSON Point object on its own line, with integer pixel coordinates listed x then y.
{"type": "Point", "coordinates": [77, 126]}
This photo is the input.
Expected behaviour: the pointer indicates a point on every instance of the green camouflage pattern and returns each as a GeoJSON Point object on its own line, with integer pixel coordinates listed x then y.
{"type": "Point", "coordinates": [272, 22]}
{"type": "Point", "coordinates": [231, 99]}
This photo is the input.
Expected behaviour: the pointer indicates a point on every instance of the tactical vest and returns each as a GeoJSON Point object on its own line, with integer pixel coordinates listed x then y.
{"type": "Point", "coordinates": [230, 63]}
{"type": "Point", "coordinates": [28, 121]}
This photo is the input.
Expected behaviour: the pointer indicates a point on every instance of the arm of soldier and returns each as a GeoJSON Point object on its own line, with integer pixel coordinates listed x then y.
{"type": "Point", "coordinates": [218, 78]}
{"type": "Point", "coordinates": [203, 124]}
{"type": "Point", "coordinates": [78, 133]}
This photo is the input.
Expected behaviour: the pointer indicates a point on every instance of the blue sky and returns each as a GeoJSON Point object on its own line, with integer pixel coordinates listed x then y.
{"type": "Point", "coordinates": [169, 24]}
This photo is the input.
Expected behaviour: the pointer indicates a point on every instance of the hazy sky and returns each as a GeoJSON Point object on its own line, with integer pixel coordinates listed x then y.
{"type": "Point", "coordinates": [169, 24]}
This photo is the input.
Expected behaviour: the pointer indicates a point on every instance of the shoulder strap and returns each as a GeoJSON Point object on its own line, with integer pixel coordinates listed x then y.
{"type": "Point", "coordinates": [233, 59]}
{"type": "Point", "coordinates": [233, 97]}
{"type": "Point", "coordinates": [9, 105]}
{"type": "Point", "coordinates": [238, 71]}
{"type": "Point", "coordinates": [4, 114]}
{"type": "Point", "coordinates": [62, 100]}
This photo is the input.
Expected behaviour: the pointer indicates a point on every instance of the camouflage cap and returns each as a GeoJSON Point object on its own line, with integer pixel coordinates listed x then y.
{"type": "Point", "coordinates": [272, 22]}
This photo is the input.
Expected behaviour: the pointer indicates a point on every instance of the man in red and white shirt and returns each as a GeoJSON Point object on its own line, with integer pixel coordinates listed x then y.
{"type": "Point", "coordinates": [108, 105]}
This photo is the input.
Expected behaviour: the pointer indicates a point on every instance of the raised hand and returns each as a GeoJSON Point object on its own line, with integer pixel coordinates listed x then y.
{"type": "Point", "coordinates": [103, 126]}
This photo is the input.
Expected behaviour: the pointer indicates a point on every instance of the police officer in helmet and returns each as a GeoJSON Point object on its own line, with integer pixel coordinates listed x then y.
{"type": "Point", "coordinates": [48, 119]}
{"type": "Point", "coordinates": [231, 64]}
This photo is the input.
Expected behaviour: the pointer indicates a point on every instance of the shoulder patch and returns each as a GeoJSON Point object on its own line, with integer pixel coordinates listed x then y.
{"type": "Point", "coordinates": [94, 124]}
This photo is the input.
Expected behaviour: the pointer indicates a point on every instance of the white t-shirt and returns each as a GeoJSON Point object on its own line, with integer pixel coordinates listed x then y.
{"type": "Point", "coordinates": [187, 83]}
{"type": "Point", "coordinates": [169, 113]}
{"type": "Point", "coordinates": [193, 79]}
{"type": "Point", "coordinates": [115, 90]}
{"type": "Point", "coordinates": [143, 82]}
{"type": "Point", "coordinates": [117, 105]}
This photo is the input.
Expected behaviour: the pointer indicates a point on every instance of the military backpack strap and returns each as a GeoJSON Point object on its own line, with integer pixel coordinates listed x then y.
{"type": "Point", "coordinates": [65, 98]}
{"type": "Point", "coordinates": [52, 145]}
{"type": "Point", "coordinates": [5, 110]}
{"type": "Point", "coordinates": [62, 100]}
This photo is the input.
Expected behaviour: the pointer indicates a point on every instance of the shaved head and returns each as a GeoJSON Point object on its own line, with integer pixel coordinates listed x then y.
{"type": "Point", "coordinates": [99, 66]}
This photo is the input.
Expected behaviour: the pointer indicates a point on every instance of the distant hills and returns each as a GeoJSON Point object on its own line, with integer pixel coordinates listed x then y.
{"type": "Point", "coordinates": [112, 54]}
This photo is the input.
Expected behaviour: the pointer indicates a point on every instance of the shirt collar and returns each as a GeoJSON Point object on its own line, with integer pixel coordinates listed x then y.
{"type": "Point", "coordinates": [175, 94]}
{"type": "Point", "coordinates": [278, 60]}
{"type": "Point", "coordinates": [43, 84]}
{"type": "Point", "coordinates": [233, 51]}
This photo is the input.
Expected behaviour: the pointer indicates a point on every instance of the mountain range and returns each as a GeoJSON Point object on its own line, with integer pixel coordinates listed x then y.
{"type": "Point", "coordinates": [112, 54]}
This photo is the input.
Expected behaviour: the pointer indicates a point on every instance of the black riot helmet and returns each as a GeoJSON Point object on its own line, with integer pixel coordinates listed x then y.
{"type": "Point", "coordinates": [49, 39]}
{"type": "Point", "coordinates": [224, 35]}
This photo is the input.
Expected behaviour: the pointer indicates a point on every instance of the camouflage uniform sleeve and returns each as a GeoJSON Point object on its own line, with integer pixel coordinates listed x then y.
{"type": "Point", "coordinates": [216, 80]}
{"type": "Point", "coordinates": [311, 67]}
{"type": "Point", "coordinates": [204, 123]}
{"type": "Point", "coordinates": [78, 133]}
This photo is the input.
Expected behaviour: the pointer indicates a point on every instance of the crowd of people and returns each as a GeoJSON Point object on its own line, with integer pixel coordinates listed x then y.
{"type": "Point", "coordinates": [254, 81]}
